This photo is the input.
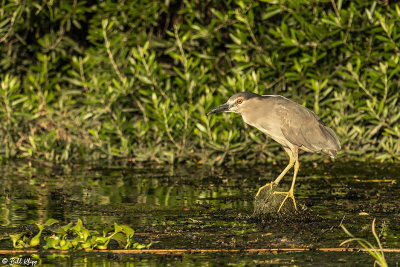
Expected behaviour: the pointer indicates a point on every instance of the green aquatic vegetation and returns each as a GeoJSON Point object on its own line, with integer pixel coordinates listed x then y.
{"type": "Point", "coordinates": [376, 252]}
{"type": "Point", "coordinates": [77, 237]}
{"type": "Point", "coordinates": [36, 239]}
{"type": "Point", "coordinates": [17, 241]}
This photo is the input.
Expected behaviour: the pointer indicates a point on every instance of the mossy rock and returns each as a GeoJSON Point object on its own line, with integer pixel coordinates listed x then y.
{"type": "Point", "coordinates": [266, 204]}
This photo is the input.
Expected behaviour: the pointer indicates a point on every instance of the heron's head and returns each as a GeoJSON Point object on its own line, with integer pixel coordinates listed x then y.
{"type": "Point", "coordinates": [236, 103]}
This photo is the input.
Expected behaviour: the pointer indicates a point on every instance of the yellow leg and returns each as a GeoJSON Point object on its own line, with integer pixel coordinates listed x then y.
{"type": "Point", "coordinates": [277, 180]}
{"type": "Point", "coordinates": [290, 194]}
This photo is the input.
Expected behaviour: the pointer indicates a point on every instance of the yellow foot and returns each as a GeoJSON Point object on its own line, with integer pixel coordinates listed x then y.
{"type": "Point", "coordinates": [265, 186]}
{"type": "Point", "coordinates": [288, 194]}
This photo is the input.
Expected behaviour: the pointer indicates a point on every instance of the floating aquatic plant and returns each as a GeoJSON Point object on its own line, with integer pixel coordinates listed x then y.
{"type": "Point", "coordinates": [77, 237]}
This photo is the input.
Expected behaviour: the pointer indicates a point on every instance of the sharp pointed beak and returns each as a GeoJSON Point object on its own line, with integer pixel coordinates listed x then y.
{"type": "Point", "coordinates": [222, 108]}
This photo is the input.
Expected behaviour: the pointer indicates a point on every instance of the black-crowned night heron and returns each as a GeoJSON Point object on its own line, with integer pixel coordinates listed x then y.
{"type": "Point", "coordinates": [288, 123]}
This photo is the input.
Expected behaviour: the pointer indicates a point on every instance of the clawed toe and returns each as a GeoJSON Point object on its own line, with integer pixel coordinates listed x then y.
{"type": "Point", "coordinates": [288, 194]}
{"type": "Point", "coordinates": [265, 186]}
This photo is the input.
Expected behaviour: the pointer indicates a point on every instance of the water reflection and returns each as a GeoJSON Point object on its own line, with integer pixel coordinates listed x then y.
{"type": "Point", "coordinates": [190, 207]}
{"type": "Point", "coordinates": [35, 194]}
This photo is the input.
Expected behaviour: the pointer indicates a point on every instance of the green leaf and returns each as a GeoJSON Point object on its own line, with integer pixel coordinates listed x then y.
{"type": "Point", "coordinates": [271, 13]}
{"type": "Point", "coordinates": [101, 239]}
{"type": "Point", "coordinates": [35, 240]}
{"type": "Point", "coordinates": [16, 237]}
{"type": "Point", "coordinates": [50, 222]}
{"type": "Point", "coordinates": [235, 39]}
{"type": "Point", "coordinates": [127, 230]}
{"type": "Point", "coordinates": [120, 238]}
{"type": "Point", "coordinates": [201, 127]}
{"type": "Point", "coordinates": [117, 228]}
{"type": "Point", "coordinates": [78, 227]}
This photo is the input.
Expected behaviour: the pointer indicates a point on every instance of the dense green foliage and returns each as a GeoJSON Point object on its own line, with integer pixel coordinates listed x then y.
{"type": "Point", "coordinates": [134, 79]}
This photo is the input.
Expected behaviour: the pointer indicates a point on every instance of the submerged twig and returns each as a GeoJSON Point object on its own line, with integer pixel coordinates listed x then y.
{"type": "Point", "coordinates": [183, 251]}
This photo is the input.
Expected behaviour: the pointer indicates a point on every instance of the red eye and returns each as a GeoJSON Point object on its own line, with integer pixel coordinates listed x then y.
{"type": "Point", "coordinates": [239, 101]}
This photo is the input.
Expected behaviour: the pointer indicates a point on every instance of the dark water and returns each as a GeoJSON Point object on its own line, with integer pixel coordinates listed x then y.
{"type": "Point", "coordinates": [207, 208]}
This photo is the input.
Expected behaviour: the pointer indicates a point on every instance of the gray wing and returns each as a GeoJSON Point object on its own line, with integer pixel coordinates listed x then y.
{"type": "Point", "coordinates": [303, 128]}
